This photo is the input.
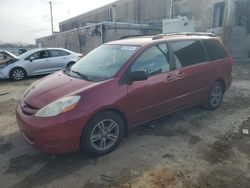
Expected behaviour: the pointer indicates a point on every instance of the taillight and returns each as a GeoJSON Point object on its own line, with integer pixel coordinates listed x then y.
{"type": "Point", "coordinates": [231, 60]}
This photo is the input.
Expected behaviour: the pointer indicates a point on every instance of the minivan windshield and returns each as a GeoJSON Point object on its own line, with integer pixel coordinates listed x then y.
{"type": "Point", "coordinates": [103, 62]}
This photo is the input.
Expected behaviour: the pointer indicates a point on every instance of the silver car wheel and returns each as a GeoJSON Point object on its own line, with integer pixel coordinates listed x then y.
{"type": "Point", "coordinates": [216, 96]}
{"type": "Point", "coordinates": [18, 74]}
{"type": "Point", "coordinates": [104, 135]}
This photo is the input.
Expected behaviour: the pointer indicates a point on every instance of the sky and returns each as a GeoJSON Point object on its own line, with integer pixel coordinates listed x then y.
{"type": "Point", "coordinates": [25, 20]}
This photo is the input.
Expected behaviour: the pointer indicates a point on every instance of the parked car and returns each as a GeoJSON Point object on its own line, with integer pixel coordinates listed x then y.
{"type": "Point", "coordinates": [120, 85]}
{"type": "Point", "coordinates": [21, 51]}
{"type": "Point", "coordinates": [37, 62]}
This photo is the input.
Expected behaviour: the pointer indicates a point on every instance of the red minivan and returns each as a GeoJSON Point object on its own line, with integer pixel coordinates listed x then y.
{"type": "Point", "coordinates": [120, 85]}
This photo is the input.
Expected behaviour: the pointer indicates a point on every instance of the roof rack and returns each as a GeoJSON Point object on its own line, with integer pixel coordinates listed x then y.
{"type": "Point", "coordinates": [132, 36]}
{"type": "Point", "coordinates": [160, 36]}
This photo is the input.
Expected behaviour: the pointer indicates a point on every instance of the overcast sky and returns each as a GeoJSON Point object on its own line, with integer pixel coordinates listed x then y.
{"type": "Point", "coordinates": [25, 20]}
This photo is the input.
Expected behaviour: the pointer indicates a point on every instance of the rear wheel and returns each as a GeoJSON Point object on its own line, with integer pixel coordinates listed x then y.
{"type": "Point", "coordinates": [102, 134]}
{"type": "Point", "coordinates": [215, 96]}
{"type": "Point", "coordinates": [70, 64]}
{"type": "Point", "coordinates": [17, 74]}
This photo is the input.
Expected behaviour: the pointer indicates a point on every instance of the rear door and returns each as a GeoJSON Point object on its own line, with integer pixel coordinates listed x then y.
{"type": "Point", "coordinates": [59, 59]}
{"type": "Point", "coordinates": [39, 63]}
{"type": "Point", "coordinates": [220, 59]}
{"type": "Point", "coordinates": [153, 97]}
{"type": "Point", "coordinates": [194, 72]}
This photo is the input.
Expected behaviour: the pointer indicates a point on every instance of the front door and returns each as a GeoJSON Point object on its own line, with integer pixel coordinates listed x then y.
{"type": "Point", "coordinates": [39, 63]}
{"type": "Point", "coordinates": [153, 97]}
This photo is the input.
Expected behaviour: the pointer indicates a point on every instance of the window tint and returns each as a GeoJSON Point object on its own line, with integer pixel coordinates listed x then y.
{"type": "Point", "coordinates": [215, 50]}
{"type": "Point", "coordinates": [188, 53]}
{"type": "Point", "coordinates": [58, 53]}
{"type": "Point", "coordinates": [155, 60]}
{"type": "Point", "coordinates": [40, 55]}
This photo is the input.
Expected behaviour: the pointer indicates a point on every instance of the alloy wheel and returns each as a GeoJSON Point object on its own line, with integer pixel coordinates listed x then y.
{"type": "Point", "coordinates": [104, 135]}
{"type": "Point", "coordinates": [18, 74]}
{"type": "Point", "coordinates": [216, 96]}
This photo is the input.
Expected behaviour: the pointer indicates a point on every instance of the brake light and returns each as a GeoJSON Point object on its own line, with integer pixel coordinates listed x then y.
{"type": "Point", "coordinates": [231, 60]}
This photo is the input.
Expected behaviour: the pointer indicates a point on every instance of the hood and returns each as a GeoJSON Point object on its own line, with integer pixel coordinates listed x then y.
{"type": "Point", "coordinates": [6, 57]}
{"type": "Point", "coordinates": [54, 87]}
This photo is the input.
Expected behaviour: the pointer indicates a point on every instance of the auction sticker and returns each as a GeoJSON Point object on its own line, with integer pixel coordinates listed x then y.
{"type": "Point", "coordinates": [129, 48]}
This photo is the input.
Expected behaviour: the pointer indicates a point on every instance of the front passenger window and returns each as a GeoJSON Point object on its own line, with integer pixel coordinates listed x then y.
{"type": "Point", "coordinates": [154, 60]}
{"type": "Point", "coordinates": [40, 55]}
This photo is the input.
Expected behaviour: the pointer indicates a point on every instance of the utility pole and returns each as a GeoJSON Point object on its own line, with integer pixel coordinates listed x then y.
{"type": "Point", "coordinates": [171, 9]}
{"type": "Point", "coordinates": [51, 17]}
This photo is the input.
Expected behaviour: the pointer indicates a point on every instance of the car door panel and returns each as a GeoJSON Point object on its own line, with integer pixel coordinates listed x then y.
{"type": "Point", "coordinates": [155, 96]}
{"type": "Point", "coordinates": [152, 98]}
{"type": "Point", "coordinates": [59, 59]}
{"type": "Point", "coordinates": [193, 72]}
{"type": "Point", "coordinates": [39, 63]}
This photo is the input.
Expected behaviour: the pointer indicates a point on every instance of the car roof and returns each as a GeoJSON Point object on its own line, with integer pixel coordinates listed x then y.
{"type": "Point", "coordinates": [144, 40]}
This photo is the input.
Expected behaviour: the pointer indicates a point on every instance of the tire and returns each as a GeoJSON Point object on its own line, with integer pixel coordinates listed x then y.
{"type": "Point", "coordinates": [102, 134]}
{"type": "Point", "coordinates": [215, 96]}
{"type": "Point", "coordinates": [18, 74]}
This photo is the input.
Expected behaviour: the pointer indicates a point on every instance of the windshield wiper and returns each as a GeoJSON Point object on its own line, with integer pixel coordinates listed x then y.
{"type": "Point", "coordinates": [82, 75]}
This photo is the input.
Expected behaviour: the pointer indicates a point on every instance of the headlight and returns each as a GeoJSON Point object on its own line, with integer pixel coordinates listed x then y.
{"type": "Point", "coordinates": [62, 105]}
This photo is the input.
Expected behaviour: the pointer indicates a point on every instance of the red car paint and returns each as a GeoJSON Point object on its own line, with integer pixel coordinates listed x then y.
{"type": "Point", "coordinates": [138, 102]}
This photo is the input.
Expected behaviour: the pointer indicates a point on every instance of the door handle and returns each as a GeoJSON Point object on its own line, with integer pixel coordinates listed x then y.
{"type": "Point", "coordinates": [170, 78]}
{"type": "Point", "coordinates": [180, 75]}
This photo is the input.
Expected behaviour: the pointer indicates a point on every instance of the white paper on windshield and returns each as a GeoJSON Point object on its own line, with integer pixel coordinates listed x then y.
{"type": "Point", "coordinates": [129, 48]}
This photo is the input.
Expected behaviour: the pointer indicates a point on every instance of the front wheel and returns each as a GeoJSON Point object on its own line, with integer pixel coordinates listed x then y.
{"type": "Point", "coordinates": [215, 96]}
{"type": "Point", "coordinates": [17, 74]}
{"type": "Point", "coordinates": [102, 134]}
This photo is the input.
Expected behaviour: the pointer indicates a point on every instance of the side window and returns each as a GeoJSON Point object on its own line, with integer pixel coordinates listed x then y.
{"type": "Point", "coordinates": [188, 53]}
{"type": "Point", "coordinates": [215, 50]}
{"type": "Point", "coordinates": [58, 53]}
{"type": "Point", "coordinates": [40, 55]}
{"type": "Point", "coordinates": [155, 60]}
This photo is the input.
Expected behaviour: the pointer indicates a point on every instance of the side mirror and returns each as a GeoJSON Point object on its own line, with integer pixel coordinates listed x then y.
{"type": "Point", "coordinates": [139, 75]}
{"type": "Point", "coordinates": [32, 58]}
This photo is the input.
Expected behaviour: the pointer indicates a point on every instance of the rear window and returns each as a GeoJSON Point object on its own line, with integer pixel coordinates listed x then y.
{"type": "Point", "coordinates": [188, 53]}
{"type": "Point", "coordinates": [58, 53]}
{"type": "Point", "coordinates": [215, 50]}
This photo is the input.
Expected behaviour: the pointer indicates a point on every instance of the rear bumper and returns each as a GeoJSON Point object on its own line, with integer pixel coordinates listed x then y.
{"type": "Point", "coordinates": [51, 135]}
{"type": "Point", "coordinates": [228, 82]}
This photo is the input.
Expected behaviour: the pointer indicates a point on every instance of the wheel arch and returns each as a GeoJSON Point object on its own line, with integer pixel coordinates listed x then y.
{"type": "Point", "coordinates": [110, 109]}
{"type": "Point", "coordinates": [18, 67]}
{"type": "Point", "coordinates": [221, 81]}
{"type": "Point", "coordinates": [71, 62]}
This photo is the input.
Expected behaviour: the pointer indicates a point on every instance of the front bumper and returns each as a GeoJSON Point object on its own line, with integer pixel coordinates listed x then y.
{"type": "Point", "coordinates": [4, 74]}
{"type": "Point", "coordinates": [53, 135]}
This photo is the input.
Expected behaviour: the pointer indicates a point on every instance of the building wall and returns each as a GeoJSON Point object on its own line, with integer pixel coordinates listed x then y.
{"type": "Point", "coordinates": [86, 39]}
{"type": "Point", "coordinates": [239, 34]}
{"type": "Point", "coordinates": [126, 11]}
{"type": "Point", "coordinates": [153, 11]}
{"type": "Point", "coordinates": [200, 10]}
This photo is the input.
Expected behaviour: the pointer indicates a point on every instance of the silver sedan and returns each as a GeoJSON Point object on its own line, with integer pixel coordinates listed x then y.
{"type": "Point", "coordinates": [37, 62]}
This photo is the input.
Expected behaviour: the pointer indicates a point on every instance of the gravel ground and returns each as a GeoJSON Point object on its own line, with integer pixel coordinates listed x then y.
{"type": "Point", "coordinates": [191, 148]}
